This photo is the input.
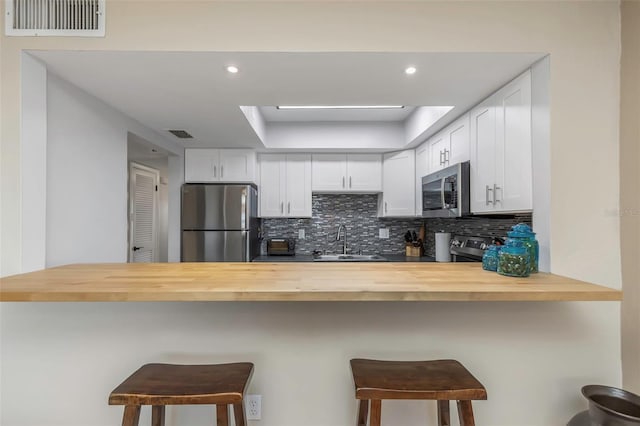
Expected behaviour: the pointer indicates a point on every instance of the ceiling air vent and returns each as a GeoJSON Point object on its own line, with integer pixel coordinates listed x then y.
{"type": "Point", "coordinates": [84, 18]}
{"type": "Point", "coordinates": [182, 134]}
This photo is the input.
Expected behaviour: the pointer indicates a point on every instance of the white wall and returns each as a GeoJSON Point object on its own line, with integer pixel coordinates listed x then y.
{"type": "Point", "coordinates": [421, 120]}
{"type": "Point", "coordinates": [516, 349]}
{"type": "Point", "coordinates": [255, 119]}
{"type": "Point", "coordinates": [541, 143]}
{"type": "Point", "coordinates": [86, 184]}
{"type": "Point", "coordinates": [33, 157]}
{"type": "Point", "coordinates": [176, 179]}
{"type": "Point", "coordinates": [301, 353]}
{"type": "Point", "coordinates": [86, 179]}
{"type": "Point", "coordinates": [335, 135]}
{"type": "Point", "coordinates": [630, 195]}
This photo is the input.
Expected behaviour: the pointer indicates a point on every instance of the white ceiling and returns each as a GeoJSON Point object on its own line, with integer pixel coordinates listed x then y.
{"type": "Point", "coordinates": [141, 149]}
{"type": "Point", "coordinates": [193, 91]}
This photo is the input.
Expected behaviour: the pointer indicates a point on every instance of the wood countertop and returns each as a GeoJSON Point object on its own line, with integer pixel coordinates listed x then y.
{"type": "Point", "coordinates": [292, 282]}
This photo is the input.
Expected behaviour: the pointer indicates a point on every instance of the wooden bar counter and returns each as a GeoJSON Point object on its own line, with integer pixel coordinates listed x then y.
{"type": "Point", "coordinates": [292, 282]}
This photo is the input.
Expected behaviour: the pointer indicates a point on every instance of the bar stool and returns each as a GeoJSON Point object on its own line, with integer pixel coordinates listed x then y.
{"type": "Point", "coordinates": [442, 380]}
{"type": "Point", "coordinates": [159, 385]}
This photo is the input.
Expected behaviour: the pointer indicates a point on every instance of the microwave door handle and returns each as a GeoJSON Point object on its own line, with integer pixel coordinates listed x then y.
{"type": "Point", "coordinates": [444, 206]}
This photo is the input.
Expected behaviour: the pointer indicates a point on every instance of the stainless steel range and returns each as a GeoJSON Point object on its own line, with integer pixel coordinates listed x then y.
{"type": "Point", "coordinates": [469, 248]}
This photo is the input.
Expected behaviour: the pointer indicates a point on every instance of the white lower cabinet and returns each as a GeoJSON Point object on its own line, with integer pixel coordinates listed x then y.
{"type": "Point", "coordinates": [398, 184]}
{"type": "Point", "coordinates": [501, 150]}
{"type": "Point", "coordinates": [285, 185]}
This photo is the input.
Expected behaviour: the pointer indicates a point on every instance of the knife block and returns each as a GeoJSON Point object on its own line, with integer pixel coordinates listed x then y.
{"type": "Point", "coordinates": [411, 251]}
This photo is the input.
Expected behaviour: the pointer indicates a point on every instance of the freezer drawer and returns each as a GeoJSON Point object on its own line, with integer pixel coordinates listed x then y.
{"type": "Point", "coordinates": [216, 246]}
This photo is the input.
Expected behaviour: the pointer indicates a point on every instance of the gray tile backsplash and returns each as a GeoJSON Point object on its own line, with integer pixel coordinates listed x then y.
{"type": "Point", "coordinates": [358, 212]}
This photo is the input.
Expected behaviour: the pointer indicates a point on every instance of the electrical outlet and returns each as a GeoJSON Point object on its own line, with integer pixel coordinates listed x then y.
{"type": "Point", "coordinates": [301, 235]}
{"type": "Point", "coordinates": [253, 406]}
{"type": "Point", "coordinates": [383, 233]}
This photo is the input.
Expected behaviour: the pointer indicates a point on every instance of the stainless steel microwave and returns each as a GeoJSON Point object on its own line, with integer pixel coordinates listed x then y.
{"type": "Point", "coordinates": [446, 193]}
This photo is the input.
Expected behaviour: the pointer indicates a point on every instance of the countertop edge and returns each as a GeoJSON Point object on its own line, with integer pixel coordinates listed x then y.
{"type": "Point", "coordinates": [282, 282]}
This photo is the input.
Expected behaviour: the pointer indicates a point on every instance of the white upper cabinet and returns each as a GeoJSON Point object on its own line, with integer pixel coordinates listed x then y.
{"type": "Point", "coordinates": [219, 165]}
{"type": "Point", "coordinates": [237, 165]}
{"type": "Point", "coordinates": [450, 145]}
{"type": "Point", "coordinates": [201, 165]}
{"type": "Point", "coordinates": [438, 147]}
{"type": "Point", "coordinates": [285, 185]}
{"type": "Point", "coordinates": [272, 190]}
{"type": "Point", "coordinates": [298, 178]}
{"type": "Point", "coordinates": [483, 155]}
{"type": "Point", "coordinates": [458, 135]}
{"type": "Point", "coordinates": [422, 168]}
{"type": "Point", "coordinates": [398, 196]}
{"type": "Point", "coordinates": [329, 172]}
{"type": "Point", "coordinates": [501, 150]}
{"type": "Point", "coordinates": [364, 172]}
{"type": "Point", "coordinates": [347, 173]}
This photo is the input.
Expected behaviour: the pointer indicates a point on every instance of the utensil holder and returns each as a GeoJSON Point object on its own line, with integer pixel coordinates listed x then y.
{"type": "Point", "coordinates": [411, 251]}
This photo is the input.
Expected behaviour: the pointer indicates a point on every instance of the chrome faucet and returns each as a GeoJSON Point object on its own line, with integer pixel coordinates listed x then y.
{"type": "Point", "coordinates": [344, 244]}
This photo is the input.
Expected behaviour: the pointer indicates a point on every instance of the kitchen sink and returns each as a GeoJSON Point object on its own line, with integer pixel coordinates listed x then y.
{"type": "Point", "coordinates": [348, 258]}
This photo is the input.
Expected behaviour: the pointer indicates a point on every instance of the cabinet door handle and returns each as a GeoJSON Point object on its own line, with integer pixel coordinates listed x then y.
{"type": "Point", "coordinates": [221, 171]}
{"type": "Point", "coordinates": [446, 155]}
{"type": "Point", "coordinates": [215, 171]}
{"type": "Point", "coordinates": [343, 181]}
{"type": "Point", "coordinates": [486, 195]}
{"type": "Point", "coordinates": [385, 207]}
{"type": "Point", "coordinates": [289, 207]}
{"type": "Point", "coordinates": [441, 161]}
{"type": "Point", "coordinates": [495, 193]}
{"type": "Point", "coordinates": [349, 181]}
{"type": "Point", "coordinates": [281, 206]}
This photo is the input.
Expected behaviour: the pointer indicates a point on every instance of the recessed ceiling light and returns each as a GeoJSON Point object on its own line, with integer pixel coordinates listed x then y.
{"type": "Point", "coordinates": [232, 69]}
{"type": "Point", "coordinates": [410, 70]}
{"type": "Point", "coordinates": [340, 106]}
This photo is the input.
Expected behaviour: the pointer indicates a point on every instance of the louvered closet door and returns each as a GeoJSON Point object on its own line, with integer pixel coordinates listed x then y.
{"type": "Point", "coordinates": [143, 194]}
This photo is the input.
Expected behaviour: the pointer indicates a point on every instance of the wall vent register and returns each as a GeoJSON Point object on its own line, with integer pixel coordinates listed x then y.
{"type": "Point", "coordinates": [82, 18]}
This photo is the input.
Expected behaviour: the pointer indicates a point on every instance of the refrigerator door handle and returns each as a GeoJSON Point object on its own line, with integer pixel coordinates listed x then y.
{"type": "Point", "coordinates": [243, 201]}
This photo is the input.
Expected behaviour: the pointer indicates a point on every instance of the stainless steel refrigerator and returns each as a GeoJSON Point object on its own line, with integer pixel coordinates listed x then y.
{"type": "Point", "coordinates": [219, 223]}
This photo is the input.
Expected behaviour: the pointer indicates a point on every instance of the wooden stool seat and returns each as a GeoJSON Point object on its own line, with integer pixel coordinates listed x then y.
{"type": "Point", "coordinates": [441, 380]}
{"type": "Point", "coordinates": [169, 384]}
